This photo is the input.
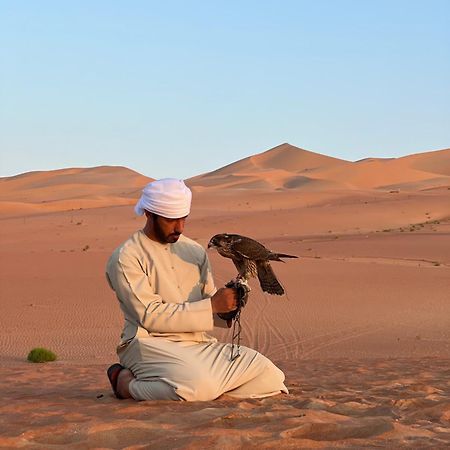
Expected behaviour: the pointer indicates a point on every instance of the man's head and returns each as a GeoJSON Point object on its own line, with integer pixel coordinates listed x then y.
{"type": "Point", "coordinates": [166, 204]}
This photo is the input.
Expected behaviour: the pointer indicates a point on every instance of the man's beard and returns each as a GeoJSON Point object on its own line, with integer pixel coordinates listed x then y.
{"type": "Point", "coordinates": [163, 238]}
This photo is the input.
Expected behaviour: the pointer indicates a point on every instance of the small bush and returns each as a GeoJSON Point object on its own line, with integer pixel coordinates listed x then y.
{"type": "Point", "coordinates": [39, 354]}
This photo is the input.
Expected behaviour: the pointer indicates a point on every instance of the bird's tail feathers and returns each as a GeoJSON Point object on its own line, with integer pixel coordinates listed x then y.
{"type": "Point", "coordinates": [277, 256]}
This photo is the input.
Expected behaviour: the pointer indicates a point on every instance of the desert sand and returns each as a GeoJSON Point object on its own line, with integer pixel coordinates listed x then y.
{"type": "Point", "coordinates": [363, 334]}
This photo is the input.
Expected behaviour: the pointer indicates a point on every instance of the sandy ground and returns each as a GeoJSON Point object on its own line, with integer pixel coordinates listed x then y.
{"type": "Point", "coordinates": [363, 333]}
{"type": "Point", "coordinates": [343, 403]}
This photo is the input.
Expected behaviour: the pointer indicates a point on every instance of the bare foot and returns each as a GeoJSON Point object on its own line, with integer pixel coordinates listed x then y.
{"type": "Point", "coordinates": [123, 382]}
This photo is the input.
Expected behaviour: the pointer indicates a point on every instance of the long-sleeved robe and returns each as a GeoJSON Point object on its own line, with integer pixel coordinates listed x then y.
{"type": "Point", "coordinates": [165, 293]}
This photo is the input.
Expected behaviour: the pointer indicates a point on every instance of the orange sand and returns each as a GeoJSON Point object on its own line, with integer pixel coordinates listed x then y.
{"type": "Point", "coordinates": [363, 334]}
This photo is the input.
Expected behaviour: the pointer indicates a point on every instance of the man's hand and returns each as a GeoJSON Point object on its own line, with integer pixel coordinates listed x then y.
{"type": "Point", "coordinates": [224, 300]}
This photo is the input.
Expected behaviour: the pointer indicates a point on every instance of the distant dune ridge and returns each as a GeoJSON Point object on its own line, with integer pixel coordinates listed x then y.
{"type": "Point", "coordinates": [57, 190]}
{"type": "Point", "coordinates": [289, 167]}
{"type": "Point", "coordinates": [284, 167]}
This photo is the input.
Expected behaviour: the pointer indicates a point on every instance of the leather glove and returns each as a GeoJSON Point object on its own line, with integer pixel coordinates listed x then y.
{"type": "Point", "coordinates": [242, 291]}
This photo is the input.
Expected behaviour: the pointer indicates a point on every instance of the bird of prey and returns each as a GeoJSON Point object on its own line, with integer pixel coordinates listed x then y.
{"type": "Point", "coordinates": [251, 259]}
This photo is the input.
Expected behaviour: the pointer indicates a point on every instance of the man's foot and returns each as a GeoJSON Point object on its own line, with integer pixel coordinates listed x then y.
{"type": "Point", "coordinates": [113, 376]}
{"type": "Point", "coordinates": [123, 383]}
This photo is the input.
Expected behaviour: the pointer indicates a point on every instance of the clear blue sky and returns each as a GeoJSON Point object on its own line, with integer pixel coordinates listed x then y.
{"type": "Point", "coordinates": [178, 88]}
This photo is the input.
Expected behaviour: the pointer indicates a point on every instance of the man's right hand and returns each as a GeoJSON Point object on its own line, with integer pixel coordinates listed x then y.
{"type": "Point", "coordinates": [224, 300]}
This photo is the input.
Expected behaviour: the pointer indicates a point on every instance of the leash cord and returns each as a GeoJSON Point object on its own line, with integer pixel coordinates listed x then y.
{"type": "Point", "coordinates": [236, 335]}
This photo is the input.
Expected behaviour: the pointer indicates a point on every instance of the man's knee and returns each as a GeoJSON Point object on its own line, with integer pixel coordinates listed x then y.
{"type": "Point", "coordinates": [199, 387]}
{"type": "Point", "coordinates": [266, 366]}
{"type": "Point", "coordinates": [270, 377]}
{"type": "Point", "coordinates": [275, 372]}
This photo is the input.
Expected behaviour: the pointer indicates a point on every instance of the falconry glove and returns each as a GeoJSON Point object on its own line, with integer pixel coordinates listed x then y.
{"type": "Point", "coordinates": [242, 291]}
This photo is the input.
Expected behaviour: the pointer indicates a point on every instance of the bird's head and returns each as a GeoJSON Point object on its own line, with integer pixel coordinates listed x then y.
{"type": "Point", "coordinates": [219, 241]}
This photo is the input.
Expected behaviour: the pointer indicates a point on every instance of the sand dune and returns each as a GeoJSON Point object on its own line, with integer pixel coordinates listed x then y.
{"type": "Point", "coordinates": [289, 167]}
{"type": "Point", "coordinates": [362, 334]}
{"type": "Point", "coordinates": [57, 190]}
{"type": "Point", "coordinates": [275, 168]}
{"type": "Point", "coordinates": [286, 156]}
{"type": "Point", "coordinates": [434, 162]}
{"type": "Point", "coordinates": [405, 173]}
{"type": "Point", "coordinates": [284, 167]}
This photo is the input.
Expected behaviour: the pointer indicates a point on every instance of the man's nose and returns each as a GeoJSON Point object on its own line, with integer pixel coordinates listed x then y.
{"type": "Point", "coordinates": [179, 226]}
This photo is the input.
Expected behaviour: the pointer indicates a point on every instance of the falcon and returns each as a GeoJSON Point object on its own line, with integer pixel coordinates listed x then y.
{"type": "Point", "coordinates": [251, 259]}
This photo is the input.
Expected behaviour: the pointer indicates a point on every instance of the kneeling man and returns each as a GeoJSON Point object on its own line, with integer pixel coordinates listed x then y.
{"type": "Point", "coordinates": [164, 285]}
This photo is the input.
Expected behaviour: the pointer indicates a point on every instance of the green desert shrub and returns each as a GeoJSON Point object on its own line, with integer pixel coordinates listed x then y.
{"type": "Point", "coordinates": [40, 354]}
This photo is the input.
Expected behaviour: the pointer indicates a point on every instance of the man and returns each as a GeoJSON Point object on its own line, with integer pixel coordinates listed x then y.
{"type": "Point", "coordinates": [164, 285]}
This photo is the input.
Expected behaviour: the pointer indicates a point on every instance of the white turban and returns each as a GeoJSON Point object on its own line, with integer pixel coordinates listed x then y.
{"type": "Point", "coordinates": [167, 197]}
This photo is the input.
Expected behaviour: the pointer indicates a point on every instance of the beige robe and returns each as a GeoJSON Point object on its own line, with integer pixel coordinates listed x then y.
{"type": "Point", "coordinates": [164, 291]}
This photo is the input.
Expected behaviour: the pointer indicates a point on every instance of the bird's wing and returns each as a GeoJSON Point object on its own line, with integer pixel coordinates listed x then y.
{"type": "Point", "coordinates": [249, 248]}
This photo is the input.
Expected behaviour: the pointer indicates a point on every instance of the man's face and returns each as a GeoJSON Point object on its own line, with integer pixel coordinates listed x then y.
{"type": "Point", "coordinates": [167, 231]}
